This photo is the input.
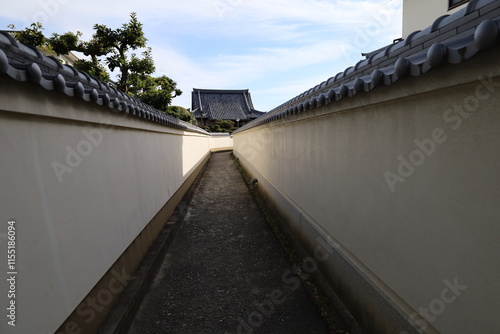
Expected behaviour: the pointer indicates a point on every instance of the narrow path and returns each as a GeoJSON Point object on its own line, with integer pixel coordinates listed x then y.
{"type": "Point", "coordinates": [225, 272]}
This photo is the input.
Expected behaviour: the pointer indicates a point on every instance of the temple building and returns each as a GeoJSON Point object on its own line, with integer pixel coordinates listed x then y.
{"type": "Point", "coordinates": [209, 105]}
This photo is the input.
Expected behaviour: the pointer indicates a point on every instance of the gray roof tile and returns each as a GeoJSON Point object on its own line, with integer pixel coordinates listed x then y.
{"type": "Point", "coordinates": [223, 104]}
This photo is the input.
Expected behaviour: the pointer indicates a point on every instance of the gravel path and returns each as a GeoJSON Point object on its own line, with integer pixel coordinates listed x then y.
{"type": "Point", "coordinates": [225, 271]}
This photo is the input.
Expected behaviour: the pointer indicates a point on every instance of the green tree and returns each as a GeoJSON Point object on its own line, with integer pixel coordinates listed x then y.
{"type": "Point", "coordinates": [33, 35]}
{"type": "Point", "coordinates": [121, 41]}
{"type": "Point", "coordinates": [114, 48]}
{"type": "Point", "coordinates": [116, 45]}
{"type": "Point", "coordinates": [67, 42]}
{"type": "Point", "coordinates": [223, 125]}
{"type": "Point", "coordinates": [63, 44]}
{"type": "Point", "coordinates": [181, 113]}
{"type": "Point", "coordinates": [158, 92]}
{"type": "Point", "coordinates": [93, 68]}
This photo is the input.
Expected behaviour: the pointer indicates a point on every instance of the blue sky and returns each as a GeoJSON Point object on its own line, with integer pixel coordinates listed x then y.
{"type": "Point", "coordinates": [276, 49]}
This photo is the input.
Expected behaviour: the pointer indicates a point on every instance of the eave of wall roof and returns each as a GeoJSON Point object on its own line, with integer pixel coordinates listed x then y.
{"type": "Point", "coordinates": [221, 91]}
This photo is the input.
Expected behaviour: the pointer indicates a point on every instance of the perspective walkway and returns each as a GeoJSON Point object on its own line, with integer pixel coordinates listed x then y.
{"type": "Point", "coordinates": [225, 271]}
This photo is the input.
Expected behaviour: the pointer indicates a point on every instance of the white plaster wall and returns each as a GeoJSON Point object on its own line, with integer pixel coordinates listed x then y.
{"type": "Point", "coordinates": [440, 225]}
{"type": "Point", "coordinates": [221, 141]}
{"type": "Point", "coordinates": [420, 14]}
{"type": "Point", "coordinates": [72, 228]}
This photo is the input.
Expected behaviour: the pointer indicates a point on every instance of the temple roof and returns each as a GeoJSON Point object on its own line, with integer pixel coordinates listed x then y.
{"type": "Point", "coordinates": [452, 39]}
{"type": "Point", "coordinates": [216, 104]}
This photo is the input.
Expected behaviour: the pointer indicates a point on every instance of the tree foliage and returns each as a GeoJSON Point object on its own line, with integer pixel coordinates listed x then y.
{"type": "Point", "coordinates": [115, 45]}
{"type": "Point", "coordinates": [69, 41]}
{"type": "Point", "coordinates": [155, 91]}
{"type": "Point", "coordinates": [33, 35]}
{"type": "Point", "coordinates": [120, 42]}
{"type": "Point", "coordinates": [222, 125]}
{"type": "Point", "coordinates": [181, 113]}
{"type": "Point", "coordinates": [93, 68]}
{"type": "Point", "coordinates": [113, 49]}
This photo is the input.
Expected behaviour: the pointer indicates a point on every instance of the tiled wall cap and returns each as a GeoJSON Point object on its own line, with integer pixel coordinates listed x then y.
{"type": "Point", "coordinates": [358, 85]}
{"type": "Point", "coordinates": [35, 73]}
{"type": "Point", "coordinates": [321, 100]}
{"type": "Point", "coordinates": [486, 34]}
{"type": "Point", "coordinates": [408, 39]}
{"type": "Point", "coordinates": [116, 103]}
{"type": "Point", "coordinates": [106, 99]}
{"type": "Point", "coordinates": [401, 67]}
{"type": "Point", "coordinates": [377, 77]}
{"type": "Point", "coordinates": [436, 54]}
{"type": "Point", "coordinates": [343, 91]}
{"type": "Point", "coordinates": [60, 83]}
{"type": "Point", "coordinates": [436, 24]}
{"type": "Point", "coordinates": [55, 60]}
{"type": "Point", "coordinates": [4, 62]}
{"type": "Point", "coordinates": [348, 70]}
{"type": "Point", "coordinates": [94, 95]}
{"type": "Point", "coordinates": [79, 90]}
{"type": "Point", "coordinates": [11, 39]}
{"type": "Point", "coordinates": [471, 6]}
{"type": "Point", "coordinates": [372, 57]}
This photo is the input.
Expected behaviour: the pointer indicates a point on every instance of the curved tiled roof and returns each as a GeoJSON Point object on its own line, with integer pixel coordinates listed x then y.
{"type": "Point", "coordinates": [450, 39]}
{"type": "Point", "coordinates": [216, 104]}
{"type": "Point", "coordinates": [26, 64]}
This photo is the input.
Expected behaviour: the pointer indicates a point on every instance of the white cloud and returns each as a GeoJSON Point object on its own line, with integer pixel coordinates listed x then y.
{"type": "Point", "coordinates": [240, 71]}
{"type": "Point", "coordinates": [267, 98]}
{"type": "Point", "coordinates": [273, 47]}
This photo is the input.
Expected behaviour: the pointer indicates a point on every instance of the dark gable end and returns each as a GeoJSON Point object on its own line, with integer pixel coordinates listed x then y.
{"type": "Point", "coordinates": [209, 105]}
